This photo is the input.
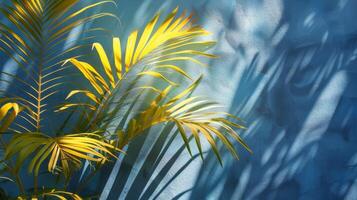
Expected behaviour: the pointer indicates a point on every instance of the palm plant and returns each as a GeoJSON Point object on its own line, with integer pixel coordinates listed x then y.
{"type": "Point", "coordinates": [109, 114]}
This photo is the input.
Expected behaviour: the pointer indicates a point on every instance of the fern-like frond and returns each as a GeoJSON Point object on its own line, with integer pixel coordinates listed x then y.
{"type": "Point", "coordinates": [34, 38]}
{"type": "Point", "coordinates": [67, 150]}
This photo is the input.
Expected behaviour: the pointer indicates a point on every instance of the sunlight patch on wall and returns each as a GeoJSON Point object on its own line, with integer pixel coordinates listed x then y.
{"type": "Point", "coordinates": [321, 114]}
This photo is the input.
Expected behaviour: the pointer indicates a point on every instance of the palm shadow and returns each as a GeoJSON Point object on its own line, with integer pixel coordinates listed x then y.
{"type": "Point", "coordinates": [300, 106]}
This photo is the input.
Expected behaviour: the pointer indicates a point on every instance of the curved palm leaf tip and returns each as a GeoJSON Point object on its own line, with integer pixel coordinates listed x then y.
{"type": "Point", "coordinates": [68, 150]}
{"type": "Point", "coordinates": [159, 47]}
{"type": "Point", "coordinates": [8, 113]}
{"type": "Point", "coordinates": [52, 194]}
{"type": "Point", "coordinates": [34, 39]}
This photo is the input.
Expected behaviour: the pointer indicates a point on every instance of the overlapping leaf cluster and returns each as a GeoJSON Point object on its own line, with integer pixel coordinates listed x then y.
{"type": "Point", "coordinates": [33, 36]}
{"type": "Point", "coordinates": [104, 116]}
{"type": "Point", "coordinates": [159, 46]}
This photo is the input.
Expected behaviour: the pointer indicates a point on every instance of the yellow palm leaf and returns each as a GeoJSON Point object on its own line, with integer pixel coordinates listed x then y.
{"type": "Point", "coordinates": [62, 195]}
{"type": "Point", "coordinates": [130, 47]}
{"type": "Point", "coordinates": [117, 57]}
{"type": "Point", "coordinates": [86, 93]}
{"type": "Point", "coordinates": [67, 150]}
{"type": "Point", "coordinates": [159, 46]}
{"type": "Point", "coordinates": [105, 61]}
{"type": "Point", "coordinates": [163, 45]}
{"type": "Point", "coordinates": [191, 116]}
{"type": "Point", "coordinates": [6, 118]}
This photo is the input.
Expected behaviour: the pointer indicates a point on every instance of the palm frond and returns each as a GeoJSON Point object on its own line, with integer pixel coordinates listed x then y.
{"type": "Point", "coordinates": [34, 39]}
{"type": "Point", "coordinates": [159, 47]}
{"type": "Point", "coordinates": [67, 150]}
{"type": "Point", "coordinates": [191, 116]}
